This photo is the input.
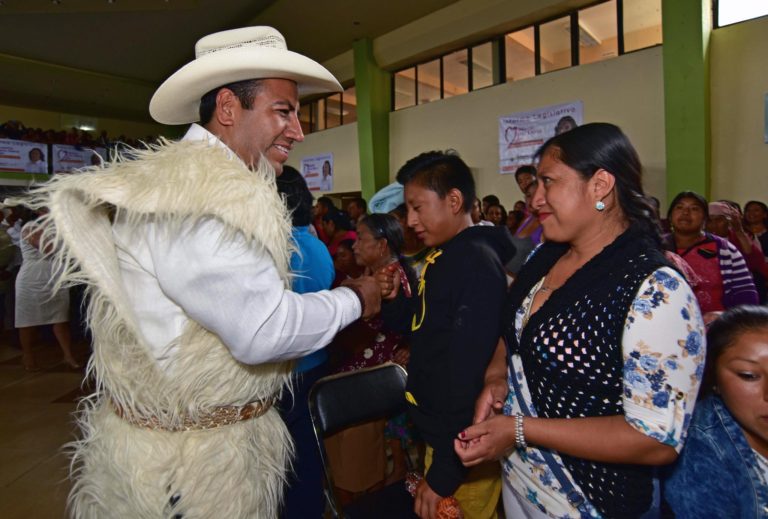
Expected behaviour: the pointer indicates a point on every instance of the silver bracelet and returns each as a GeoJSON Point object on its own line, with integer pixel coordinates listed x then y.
{"type": "Point", "coordinates": [519, 432]}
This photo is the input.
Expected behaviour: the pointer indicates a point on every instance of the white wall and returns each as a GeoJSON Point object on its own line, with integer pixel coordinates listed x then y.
{"type": "Point", "coordinates": [739, 84]}
{"type": "Point", "coordinates": [627, 91]}
{"type": "Point", "coordinates": [342, 142]}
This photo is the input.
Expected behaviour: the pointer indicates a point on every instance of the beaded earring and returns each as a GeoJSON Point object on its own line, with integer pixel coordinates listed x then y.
{"type": "Point", "coordinates": [600, 205]}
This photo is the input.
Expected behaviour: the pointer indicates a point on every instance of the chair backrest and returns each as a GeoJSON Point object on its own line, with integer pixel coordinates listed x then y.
{"type": "Point", "coordinates": [340, 401]}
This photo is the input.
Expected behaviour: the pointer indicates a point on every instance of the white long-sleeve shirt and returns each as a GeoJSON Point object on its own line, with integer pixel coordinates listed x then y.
{"type": "Point", "coordinates": [229, 288]}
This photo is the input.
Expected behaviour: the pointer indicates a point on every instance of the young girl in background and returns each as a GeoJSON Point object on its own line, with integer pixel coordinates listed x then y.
{"type": "Point", "coordinates": [723, 468]}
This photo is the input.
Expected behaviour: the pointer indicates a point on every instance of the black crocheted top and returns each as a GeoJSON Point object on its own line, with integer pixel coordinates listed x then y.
{"type": "Point", "coordinates": [572, 355]}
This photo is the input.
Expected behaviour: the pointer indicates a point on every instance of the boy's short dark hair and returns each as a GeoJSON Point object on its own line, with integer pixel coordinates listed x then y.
{"type": "Point", "coordinates": [440, 171]}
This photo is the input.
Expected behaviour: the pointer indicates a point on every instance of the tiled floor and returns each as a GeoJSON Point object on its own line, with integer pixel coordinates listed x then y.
{"type": "Point", "coordinates": [35, 422]}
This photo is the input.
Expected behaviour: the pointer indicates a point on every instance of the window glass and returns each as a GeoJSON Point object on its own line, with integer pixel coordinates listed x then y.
{"type": "Point", "coordinates": [597, 33]}
{"type": "Point", "coordinates": [642, 24]}
{"type": "Point", "coordinates": [520, 54]}
{"type": "Point", "coordinates": [428, 89]}
{"type": "Point", "coordinates": [555, 42]}
{"type": "Point", "coordinates": [405, 88]}
{"type": "Point", "coordinates": [482, 66]}
{"type": "Point", "coordinates": [333, 111]}
{"type": "Point", "coordinates": [349, 108]}
{"type": "Point", "coordinates": [455, 74]}
{"type": "Point", "coordinates": [733, 11]}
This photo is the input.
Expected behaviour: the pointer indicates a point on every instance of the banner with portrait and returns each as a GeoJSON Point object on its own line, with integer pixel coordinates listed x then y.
{"type": "Point", "coordinates": [67, 158]}
{"type": "Point", "coordinates": [23, 156]}
{"type": "Point", "coordinates": [522, 133]}
{"type": "Point", "coordinates": [318, 172]}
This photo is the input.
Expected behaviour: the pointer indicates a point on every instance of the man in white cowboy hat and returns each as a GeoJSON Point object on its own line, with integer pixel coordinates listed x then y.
{"type": "Point", "coordinates": [185, 249]}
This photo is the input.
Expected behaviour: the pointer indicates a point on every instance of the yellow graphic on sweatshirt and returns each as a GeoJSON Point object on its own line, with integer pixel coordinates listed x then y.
{"type": "Point", "coordinates": [410, 398]}
{"type": "Point", "coordinates": [429, 260]}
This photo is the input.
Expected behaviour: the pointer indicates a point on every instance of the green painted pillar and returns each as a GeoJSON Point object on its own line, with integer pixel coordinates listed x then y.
{"type": "Point", "coordinates": [686, 26]}
{"type": "Point", "coordinates": [373, 91]}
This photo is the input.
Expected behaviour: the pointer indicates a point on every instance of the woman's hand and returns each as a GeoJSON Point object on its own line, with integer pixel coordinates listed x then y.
{"type": "Point", "coordinates": [426, 501]}
{"type": "Point", "coordinates": [486, 441]}
{"type": "Point", "coordinates": [491, 399]}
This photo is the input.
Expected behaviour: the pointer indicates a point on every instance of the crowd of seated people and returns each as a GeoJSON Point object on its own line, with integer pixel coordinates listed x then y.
{"type": "Point", "coordinates": [636, 453]}
{"type": "Point", "coordinates": [75, 137]}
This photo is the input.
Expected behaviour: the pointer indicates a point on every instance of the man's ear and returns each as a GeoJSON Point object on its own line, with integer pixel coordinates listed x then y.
{"type": "Point", "coordinates": [456, 201]}
{"type": "Point", "coordinates": [227, 107]}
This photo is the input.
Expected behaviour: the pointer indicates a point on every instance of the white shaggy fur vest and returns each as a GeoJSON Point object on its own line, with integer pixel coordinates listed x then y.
{"type": "Point", "coordinates": [123, 470]}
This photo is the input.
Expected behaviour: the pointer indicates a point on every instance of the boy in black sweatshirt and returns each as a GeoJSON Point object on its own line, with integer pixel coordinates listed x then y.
{"type": "Point", "coordinates": [453, 324]}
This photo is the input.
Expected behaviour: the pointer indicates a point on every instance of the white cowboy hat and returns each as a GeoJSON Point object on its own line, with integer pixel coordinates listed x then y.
{"type": "Point", "coordinates": [235, 55]}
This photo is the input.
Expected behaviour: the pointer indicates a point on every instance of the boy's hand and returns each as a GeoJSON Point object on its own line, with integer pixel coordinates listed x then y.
{"type": "Point", "coordinates": [426, 501]}
{"type": "Point", "coordinates": [388, 281]}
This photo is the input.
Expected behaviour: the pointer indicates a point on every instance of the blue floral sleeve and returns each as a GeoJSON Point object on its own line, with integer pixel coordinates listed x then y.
{"type": "Point", "coordinates": [664, 350]}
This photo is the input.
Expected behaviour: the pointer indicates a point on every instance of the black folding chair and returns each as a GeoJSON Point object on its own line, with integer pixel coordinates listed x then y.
{"type": "Point", "coordinates": [348, 399]}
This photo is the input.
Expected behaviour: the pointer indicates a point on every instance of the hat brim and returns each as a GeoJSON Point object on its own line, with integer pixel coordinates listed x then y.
{"type": "Point", "coordinates": [177, 100]}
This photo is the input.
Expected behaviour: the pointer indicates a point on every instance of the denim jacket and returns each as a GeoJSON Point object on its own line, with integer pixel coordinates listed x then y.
{"type": "Point", "coordinates": [717, 474]}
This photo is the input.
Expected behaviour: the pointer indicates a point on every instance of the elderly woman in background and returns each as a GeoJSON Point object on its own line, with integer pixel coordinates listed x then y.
{"type": "Point", "coordinates": [724, 280]}
{"type": "Point", "coordinates": [356, 454]}
{"type": "Point", "coordinates": [604, 344]}
{"type": "Point", "coordinates": [725, 220]}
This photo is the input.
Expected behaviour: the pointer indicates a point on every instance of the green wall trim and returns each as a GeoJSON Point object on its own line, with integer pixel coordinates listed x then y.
{"type": "Point", "coordinates": [26, 177]}
{"type": "Point", "coordinates": [372, 88]}
{"type": "Point", "coordinates": [686, 26]}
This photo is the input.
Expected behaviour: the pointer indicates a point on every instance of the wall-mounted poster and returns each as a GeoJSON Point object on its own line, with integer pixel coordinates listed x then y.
{"type": "Point", "coordinates": [23, 156]}
{"type": "Point", "coordinates": [66, 158]}
{"type": "Point", "coordinates": [522, 133]}
{"type": "Point", "coordinates": [318, 172]}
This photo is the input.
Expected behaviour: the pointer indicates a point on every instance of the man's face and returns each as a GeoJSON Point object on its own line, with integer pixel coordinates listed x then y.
{"type": "Point", "coordinates": [354, 210]}
{"type": "Point", "coordinates": [270, 127]}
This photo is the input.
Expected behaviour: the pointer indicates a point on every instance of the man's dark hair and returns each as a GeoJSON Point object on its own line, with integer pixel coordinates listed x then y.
{"type": "Point", "coordinates": [327, 202]}
{"type": "Point", "coordinates": [361, 203]}
{"type": "Point", "coordinates": [245, 91]}
{"type": "Point", "coordinates": [522, 170]}
{"type": "Point", "coordinates": [491, 200]}
{"type": "Point", "coordinates": [339, 218]}
{"type": "Point", "coordinates": [440, 171]}
{"type": "Point", "coordinates": [297, 197]}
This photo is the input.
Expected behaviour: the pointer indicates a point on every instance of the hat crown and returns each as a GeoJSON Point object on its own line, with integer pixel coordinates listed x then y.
{"type": "Point", "coordinates": [250, 37]}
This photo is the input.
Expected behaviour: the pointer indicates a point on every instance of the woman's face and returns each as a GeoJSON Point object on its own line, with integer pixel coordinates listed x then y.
{"type": "Point", "coordinates": [562, 201]}
{"type": "Point", "coordinates": [719, 225]}
{"type": "Point", "coordinates": [476, 214]}
{"type": "Point", "coordinates": [742, 381]}
{"type": "Point", "coordinates": [512, 222]}
{"type": "Point", "coordinates": [35, 155]}
{"type": "Point", "coordinates": [687, 216]}
{"type": "Point", "coordinates": [326, 169]}
{"type": "Point", "coordinates": [754, 214]}
{"type": "Point", "coordinates": [495, 215]}
{"type": "Point", "coordinates": [344, 261]}
{"type": "Point", "coordinates": [368, 249]}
